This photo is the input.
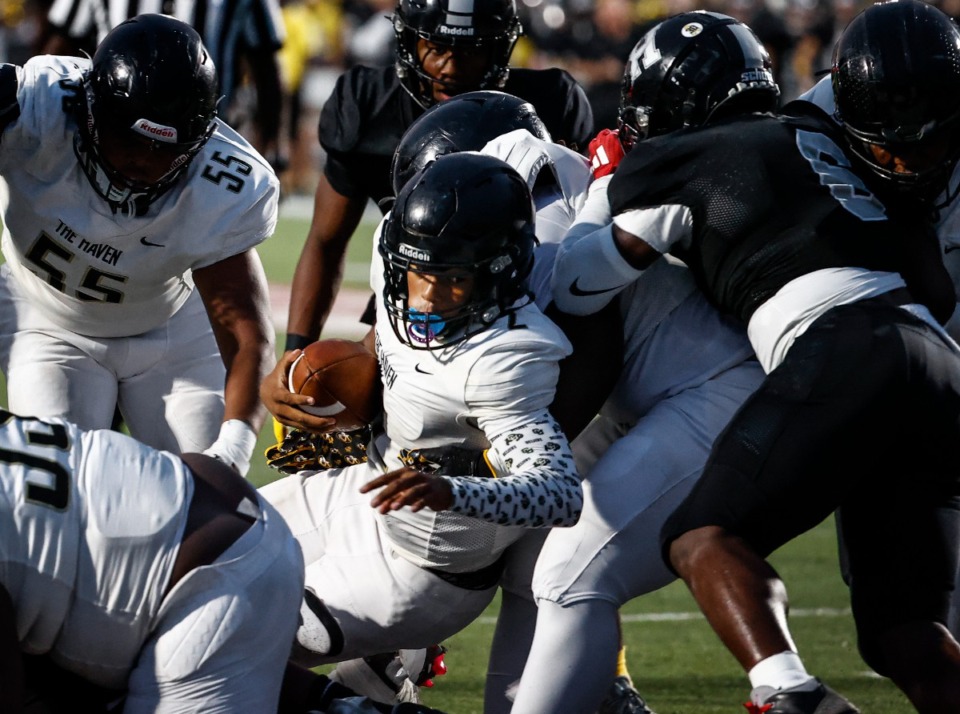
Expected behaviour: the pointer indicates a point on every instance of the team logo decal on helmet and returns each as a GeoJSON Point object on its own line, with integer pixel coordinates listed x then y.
{"type": "Point", "coordinates": [692, 68]}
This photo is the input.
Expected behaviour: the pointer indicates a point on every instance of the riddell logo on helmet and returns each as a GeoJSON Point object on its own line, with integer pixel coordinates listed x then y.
{"type": "Point", "coordinates": [457, 31]}
{"type": "Point", "coordinates": [152, 130]}
{"type": "Point", "coordinates": [414, 253]}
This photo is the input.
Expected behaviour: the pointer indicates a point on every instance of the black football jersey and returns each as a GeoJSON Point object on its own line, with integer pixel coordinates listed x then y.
{"type": "Point", "coordinates": [773, 198]}
{"type": "Point", "coordinates": [363, 120]}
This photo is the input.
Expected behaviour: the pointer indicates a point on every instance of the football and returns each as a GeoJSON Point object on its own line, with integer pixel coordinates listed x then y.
{"type": "Point", "coordinates": [343, 377]}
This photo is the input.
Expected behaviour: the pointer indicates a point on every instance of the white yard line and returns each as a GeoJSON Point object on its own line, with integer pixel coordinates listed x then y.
{"type": "Point", "coordinates": [684, 616]}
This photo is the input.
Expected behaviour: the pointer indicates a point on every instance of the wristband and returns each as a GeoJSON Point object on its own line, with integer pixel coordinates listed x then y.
{"type": "Point", "coordinates": [234, 446]}
{"type": "Point", "coordinates": [296, 342]}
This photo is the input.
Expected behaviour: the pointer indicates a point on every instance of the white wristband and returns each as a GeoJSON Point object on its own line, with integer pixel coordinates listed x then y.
{"type": "Point", "coordinates": [234, 446]}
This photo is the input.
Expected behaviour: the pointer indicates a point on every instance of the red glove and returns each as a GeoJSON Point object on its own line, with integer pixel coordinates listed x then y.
{"type": "Point", "coordinates": [605, 152]}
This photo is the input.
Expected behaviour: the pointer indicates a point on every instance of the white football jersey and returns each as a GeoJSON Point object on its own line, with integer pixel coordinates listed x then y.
{"type": "Point", "coordinates": [465, 395]}
{"type": "Point", "coordinates": [557, 200]}
{"type": "Point", "coordinates": [103, 274]}
{"type": "Point", "coordinates": [77, 511]}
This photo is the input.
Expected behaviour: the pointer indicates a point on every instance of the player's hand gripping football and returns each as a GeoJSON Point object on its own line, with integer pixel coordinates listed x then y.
{"type": "Point", "coordinates": [285, 405]}
{"type": "Point", "coordinates": [410, 487]}
{"type": "Point", "coordinates": [605, 152]}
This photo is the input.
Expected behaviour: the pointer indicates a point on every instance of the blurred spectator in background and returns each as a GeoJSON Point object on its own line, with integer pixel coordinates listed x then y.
{"type": "Point", "coordinates": [370, 40]}
{"type": "Point", "coordinates": [243, 37]}
{"type": "Point", "coordinates": [316, 31]}
{"type": "Point", "coordinates": [591, 45]}
{"type": "Point", "coordinates": [21, 24]}
{"type": "Point", "coordinates": [770, 28]}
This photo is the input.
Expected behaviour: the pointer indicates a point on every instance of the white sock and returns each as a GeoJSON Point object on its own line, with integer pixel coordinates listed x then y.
{"type": "Point", "coordinates": [781, 671]}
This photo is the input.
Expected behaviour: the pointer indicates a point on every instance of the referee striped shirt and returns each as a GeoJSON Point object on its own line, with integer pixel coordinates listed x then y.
{"type": "Point", "coordinates": [225, 25]}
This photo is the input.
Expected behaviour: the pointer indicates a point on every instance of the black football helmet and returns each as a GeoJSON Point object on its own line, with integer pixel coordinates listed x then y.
{"type": "Point", "coordinates": [462, 123]}
{"type": "Point", "coordinates": [464, 211]}
{"type": "Point", "coordinates": [151, 77]}
{"type": "Point", "coordinates": [896, 84]}
{"type": "Point", "coordinates": [489, 24]}
{"type": "Point", "coordinates": [689, 69]}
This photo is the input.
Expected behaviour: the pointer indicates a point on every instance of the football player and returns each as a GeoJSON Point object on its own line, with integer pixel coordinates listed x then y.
{"type": "Point", "coordinates": [860, 408]}
{"type": "Point", "coordinates": [686, 370]}
{"type": "Point", "coordinates": [163, 581]}
{"type": "Point", "coordinates": [467, 360]}
{"type": "Point", "coordinates": [506, 126]}
{"type": "Point", "coordinates": [444, 48]}
{"type": "Point", "coordinates": [130, 220]}
{"type": "Point", "coordinates": [885, 77]}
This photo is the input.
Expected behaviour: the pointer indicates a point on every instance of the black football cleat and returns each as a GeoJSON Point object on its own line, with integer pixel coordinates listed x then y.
{"type": "Point", "coordinates": [821, 700]}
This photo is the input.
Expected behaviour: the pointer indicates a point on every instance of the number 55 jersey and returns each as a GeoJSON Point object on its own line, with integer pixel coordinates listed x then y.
{"type": "Point", "coordinates": [98, 272]}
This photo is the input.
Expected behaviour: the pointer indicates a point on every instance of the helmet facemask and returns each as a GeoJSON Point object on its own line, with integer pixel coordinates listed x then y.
{"type": "Point", "coordinates": [126, 195]}
{"type": "Point", "coordinates": [493, 35]}
{"type": "Point", "coordinates": [920, 168]}
{"type": "Point", "coordinates": [149, 104]}
{"type": "Point", "coordinates": [464, 215]}
{"type": "Point", "coordinates": [896, 86]}
{"type": "Point", "coordinates": [431, 331]}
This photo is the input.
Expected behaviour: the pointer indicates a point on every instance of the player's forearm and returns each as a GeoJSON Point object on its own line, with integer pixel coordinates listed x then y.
{"type": "Point", "coordinates": [319, 271]}
{"type": "Point", "coordinates": [537, 485]}
{"type": "Point", "coordinates": [316, 281]}
{"type": "Point", "coordinates": [247, 368]}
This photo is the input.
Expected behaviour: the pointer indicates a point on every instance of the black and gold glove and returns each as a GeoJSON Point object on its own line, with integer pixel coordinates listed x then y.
{"type": "Point", "coordinates": [449, 461]}
{"type": "Point", "coordinates": [305, 451]}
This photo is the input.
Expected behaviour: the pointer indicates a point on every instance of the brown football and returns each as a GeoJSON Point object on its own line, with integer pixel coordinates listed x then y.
{"type": "Point", "coordinates": [343, 377]}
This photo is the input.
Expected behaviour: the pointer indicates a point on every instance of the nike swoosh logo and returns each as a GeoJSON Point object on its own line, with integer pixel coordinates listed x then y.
{"type": "Point", "coordinates": [144, 241]}
{"type": "Point", "coordinates": [417, 368]}
{"type": "Point", "coordinates": [577, 291]}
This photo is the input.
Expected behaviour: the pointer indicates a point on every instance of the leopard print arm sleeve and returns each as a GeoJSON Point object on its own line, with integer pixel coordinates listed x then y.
{"type": "Point", "coordinates": [540, 487]}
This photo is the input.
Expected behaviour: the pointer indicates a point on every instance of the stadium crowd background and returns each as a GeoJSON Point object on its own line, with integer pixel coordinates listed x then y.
{"type": "Point", "coordinates": [589, 38]}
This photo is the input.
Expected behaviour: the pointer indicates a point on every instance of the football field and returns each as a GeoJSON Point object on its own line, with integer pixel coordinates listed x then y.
{"type": "Point", "coordinates": [675, 659]}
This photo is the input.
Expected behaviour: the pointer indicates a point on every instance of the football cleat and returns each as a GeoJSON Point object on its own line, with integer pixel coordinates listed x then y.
{"type": "Point", "coordinates": [393, 677]}
{"type": "Point", "coordinates": [422, 665]}
{"type": "Point", "coordinates": [623, 698]}
{"type": "Point", "coordinates": [821, 700]}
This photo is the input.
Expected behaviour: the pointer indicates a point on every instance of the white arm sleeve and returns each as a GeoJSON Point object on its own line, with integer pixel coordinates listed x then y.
{"type": "Point", "coordinates": [588, 274]}
{"type": "Point", "coordinates": [589, 271]}
{"type": "Point", "coordinates": [540, 487]}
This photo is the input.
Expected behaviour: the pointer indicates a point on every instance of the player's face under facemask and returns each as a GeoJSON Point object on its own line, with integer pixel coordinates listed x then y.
{"type": "Point", "coordinates": [435, 303]}
{"type": "Point", "coordinates": [130, 170]}
{"type": "Point", "coordinates": [448, 70]}
{"type": "Point", "coordinates": [921, 168]}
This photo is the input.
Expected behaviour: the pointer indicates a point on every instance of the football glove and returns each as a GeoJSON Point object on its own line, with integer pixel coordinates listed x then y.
{"type": "Point", "coordinates": [449, 461]}
{"type": "Point", "coordinates": [605, 153]}
{"type": "Point", "coordinates": [305, 451]}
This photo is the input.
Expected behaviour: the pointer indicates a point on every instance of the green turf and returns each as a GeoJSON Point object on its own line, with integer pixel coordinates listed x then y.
{"type": "Point", "coordinates": [681, 667]}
